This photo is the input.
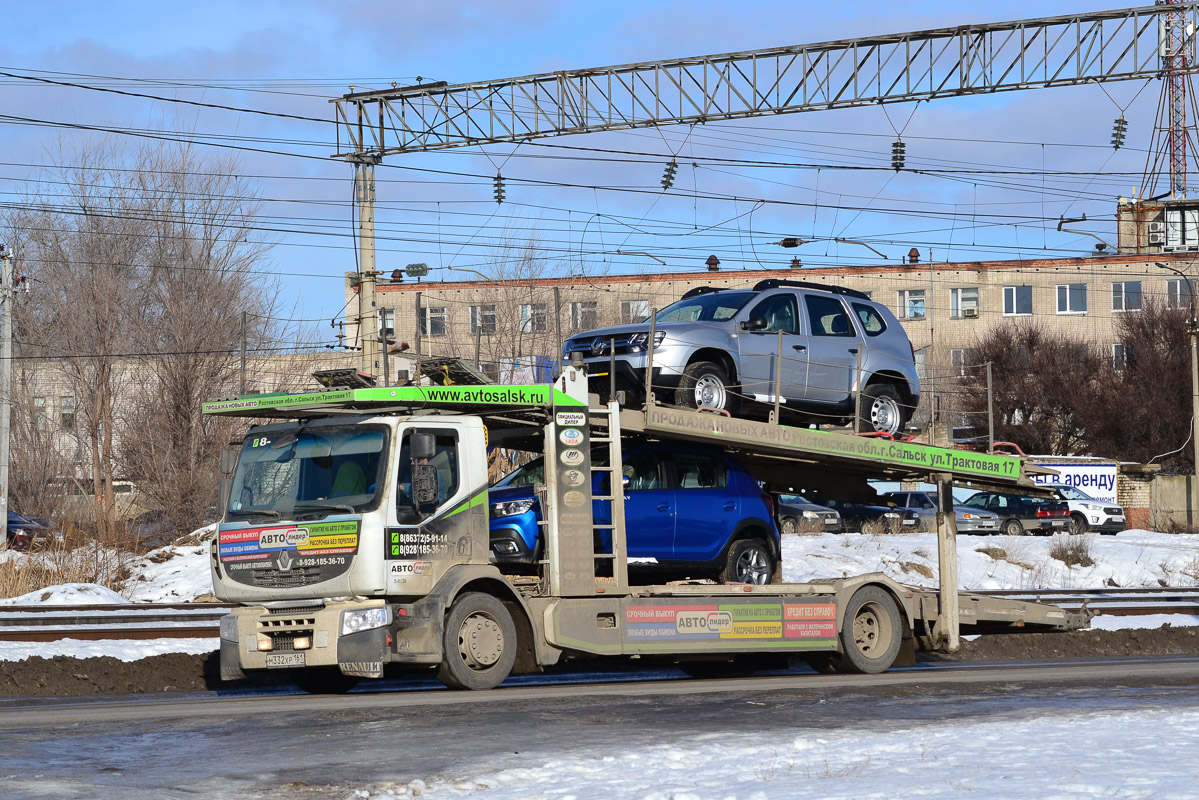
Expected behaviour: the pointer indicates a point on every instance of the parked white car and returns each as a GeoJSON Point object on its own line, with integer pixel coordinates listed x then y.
{"type": "Point", "coordinates": [1087, 513]}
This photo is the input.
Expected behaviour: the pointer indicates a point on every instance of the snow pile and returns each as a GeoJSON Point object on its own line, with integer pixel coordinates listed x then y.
{"type": "Point", "coordinates": [1134, 558]}
{"type": "Point", "coordinates": [67, 594]}
{"type": "Point", "coordinates": [121, 649]}
{"type": "Point", "coordinates": [1075, 755]}
{"type": "Point", "coordinates": [170, 575]}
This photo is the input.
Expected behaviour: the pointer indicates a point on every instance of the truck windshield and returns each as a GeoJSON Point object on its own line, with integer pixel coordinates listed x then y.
{"type": "Point", "coordinates": [306, 473]}
{"type": "Point", "coordinates": [705, 307]}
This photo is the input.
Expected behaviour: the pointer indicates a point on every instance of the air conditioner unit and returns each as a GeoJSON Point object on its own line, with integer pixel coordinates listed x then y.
{"type": "Point", "coordinates": [1157, 227]}
{"type": "Point", "coordinates": [969, 312]}
{"type": "Point", "coordinates": [1157, 238]}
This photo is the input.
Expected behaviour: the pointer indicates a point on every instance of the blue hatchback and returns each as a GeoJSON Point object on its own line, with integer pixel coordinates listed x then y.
{"type": "Point", "coordinates": [686, 509]}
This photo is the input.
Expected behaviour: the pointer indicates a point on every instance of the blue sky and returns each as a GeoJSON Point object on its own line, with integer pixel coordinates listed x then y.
{"type": "Point", "coordinates": [292, 57]}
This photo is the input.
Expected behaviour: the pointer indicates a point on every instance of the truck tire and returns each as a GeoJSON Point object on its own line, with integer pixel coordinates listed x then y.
{"type": "Point", "coordinates": [704, 383]}
{"type": "Point", "coordinates": [871, 632]}
{"type": "Point", "coordinates": [1078, 524]}
{"type": "Point", "coordinates": [882, 410]}
{"type": "Point", "coordinates": [324, 680]}
{"type": "Point", "coordinates": [1013, 528]}
{"type": "Point", "coordinates": [479, 643]}
{"type": "Point", "coordinates": [748, 561]}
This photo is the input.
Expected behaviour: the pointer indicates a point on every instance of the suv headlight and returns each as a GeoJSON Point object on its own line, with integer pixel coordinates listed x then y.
{"type": "Point", "coordinates": [229, 628]}
{"type": "Point", "coordinates": [511, 508]}
{"type": "Point", "coordinates": [365, 619]}
{"type": "Point", "coordinates": [637, 342]}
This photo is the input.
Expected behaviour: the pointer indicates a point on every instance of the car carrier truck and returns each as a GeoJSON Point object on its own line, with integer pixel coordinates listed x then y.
{"type": "Point", "coordinates": [355, 536]}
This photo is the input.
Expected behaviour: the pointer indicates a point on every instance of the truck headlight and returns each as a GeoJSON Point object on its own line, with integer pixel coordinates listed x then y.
{"type": "Point", "coordinates": [511, 508]}
{"type": "Point", "coordinates": [229, 628]}
{"type": "Point", "coordinates": [365, 619]}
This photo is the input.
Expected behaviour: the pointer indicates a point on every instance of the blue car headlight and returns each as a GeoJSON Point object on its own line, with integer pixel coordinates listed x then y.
{"type": "Point", "coordinates": [511, 508]}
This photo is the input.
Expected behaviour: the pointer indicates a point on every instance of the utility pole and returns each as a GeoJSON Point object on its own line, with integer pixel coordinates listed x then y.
{"type": "Point", "coordinates": [7, 302]}
{"type": "Point", "coordinates": [368, 320]}
{"type": "Point", "coordinates": [243, 352]}
{"type": "Point", "coordinates": [1193, 331]}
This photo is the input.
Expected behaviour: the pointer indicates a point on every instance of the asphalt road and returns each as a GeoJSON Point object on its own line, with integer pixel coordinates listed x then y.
{"type": "Point", "coordinates": [293, 746]}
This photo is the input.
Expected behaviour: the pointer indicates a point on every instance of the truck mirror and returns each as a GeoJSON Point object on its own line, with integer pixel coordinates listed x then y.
{"type": "Point", "coordinates": [754, 324]}
{"type": "Point", "coordinates": [423, 445]}
{"type": "Point", "coordinates": [229, 458]}
{"type": "Point", "coordinates": [424, 484]}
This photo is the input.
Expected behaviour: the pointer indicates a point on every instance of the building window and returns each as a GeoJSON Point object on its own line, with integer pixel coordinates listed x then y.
{"type": "Point", "coordinates": [1178, 293]}
{"type": "Point", "coordinates": [1072, 298]}
{"type": "Point", "coordinates": [1182, 228]}
{"type": "Point", "coordinates": [1119, 357]}
{"type": "Point", "coordinates": [533, 318]}
{"type": "Point", "coordinates": [39, 412]}
{"type": "Point", "coordinates": [1126, 296]}
{"type": "Point", "coordinates": [583, 315]}
{"type": "Point", "coordinates": [963, 302]}
{"type": "Point", "coordinates": [67, 417]}
{"type": "Point", "coordinates": [482, 319]}
{"type": "Point", "coordinates": [1017, 300]}
{"type": "Point", "coordinates": [632, 311]}
{"type": "Point", "coordinates": [433, 321]}
{"type": "Point", "coordinates": [963, 361]}
{"type": "Point", "coordinates": [911, 304]}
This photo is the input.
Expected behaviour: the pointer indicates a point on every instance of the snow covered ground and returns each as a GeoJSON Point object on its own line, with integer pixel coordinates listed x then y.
{"type": "Point", "coordinates": [1130, 559]}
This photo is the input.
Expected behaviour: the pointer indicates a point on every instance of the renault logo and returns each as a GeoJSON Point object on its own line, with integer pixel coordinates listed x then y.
{"type": "Point", "coordinates": [599, 346]}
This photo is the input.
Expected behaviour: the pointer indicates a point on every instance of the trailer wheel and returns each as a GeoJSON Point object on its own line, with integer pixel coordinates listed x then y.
{"type": "Point", "coordinates": [870, 632]}
{"type": "Point", "coordinates": [479, 645]}
{"type": "Point", "coordinates": [749, 561]}
{"type": "Point", "coordinates": [324, 680]}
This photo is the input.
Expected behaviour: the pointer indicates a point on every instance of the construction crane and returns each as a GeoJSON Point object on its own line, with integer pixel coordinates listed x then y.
{"type": "Point", "coordinates": [1103, 46]}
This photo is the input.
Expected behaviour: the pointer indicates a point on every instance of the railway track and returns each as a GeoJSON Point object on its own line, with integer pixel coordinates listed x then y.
{"type": "Point", "coordinates": [187, 620]}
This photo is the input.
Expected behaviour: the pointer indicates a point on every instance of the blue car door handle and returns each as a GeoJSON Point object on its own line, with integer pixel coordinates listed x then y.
{"type": "Point", "coordinates": [730, 506]}
{"type": "Point", "coordinates": [663, 506]}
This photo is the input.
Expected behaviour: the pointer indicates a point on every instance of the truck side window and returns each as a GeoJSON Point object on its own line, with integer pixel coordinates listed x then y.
{"type": "Point", "coordinates": [445, 459]}
{"type": "Point", "coordinates": [700, 471]}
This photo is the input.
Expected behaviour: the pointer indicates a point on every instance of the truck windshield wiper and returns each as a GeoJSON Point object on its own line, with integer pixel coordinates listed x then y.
{"type": "Point", "coordinates": [265, 512]}
{"type": "Point", "coordinates": [325, 507]}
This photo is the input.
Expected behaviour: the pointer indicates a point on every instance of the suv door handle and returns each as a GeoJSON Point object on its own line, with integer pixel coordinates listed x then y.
{"type": "Point", "coordinates": [799, 347]}
{"type": "Point", "coordinates": [853, 349]}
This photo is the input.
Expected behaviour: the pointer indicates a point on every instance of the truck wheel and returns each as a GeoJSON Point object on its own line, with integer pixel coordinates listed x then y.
{"type": "Point", "coordinates": [705, 384]}
{"type": "Point", "coordinates": [870, 632]}
{"type": "Point", "coordinates": [324, 680]}
{"type": "Point", "coordinates": [1078, 524]}
{"type": "Point", "coordinates": [479, 644]}
{"type": "Point", "coordinates": [1013, 528]}
{"type": "Point", "coordinates": [749, 561]}
{"type": "Point", "coordinates": [881, 409]}
{"type": "Point", "coordinates": [789, 525]}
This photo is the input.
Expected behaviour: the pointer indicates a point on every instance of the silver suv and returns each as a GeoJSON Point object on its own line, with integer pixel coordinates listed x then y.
{"type": "Point", "coordinates": [721, 348]}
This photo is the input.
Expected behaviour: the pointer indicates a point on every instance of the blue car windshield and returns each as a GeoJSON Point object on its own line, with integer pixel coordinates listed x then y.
{"type": "Point", "coordinates": [714, 307]}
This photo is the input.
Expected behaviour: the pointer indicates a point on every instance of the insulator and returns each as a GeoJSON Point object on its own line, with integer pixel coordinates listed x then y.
{"type": "Point", "coordinates": [1119, 128]}
{"type": "Point", "coordinates": [668, 175]}
{"type": "Point", "coordinates": [499, 188]}
{"type": "Point", "coordinates": [898, 154]}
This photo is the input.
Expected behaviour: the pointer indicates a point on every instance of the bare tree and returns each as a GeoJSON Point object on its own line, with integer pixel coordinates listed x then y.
{"type": "Point", "coordinates": [1044, 382]}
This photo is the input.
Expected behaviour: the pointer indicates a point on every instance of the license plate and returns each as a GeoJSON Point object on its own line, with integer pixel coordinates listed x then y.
{"type": "Point", "coordinates": [285, 660]}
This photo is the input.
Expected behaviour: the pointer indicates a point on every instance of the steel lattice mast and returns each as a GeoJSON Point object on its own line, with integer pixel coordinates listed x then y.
{"type": "Point", "coordinates": [1176, 65]}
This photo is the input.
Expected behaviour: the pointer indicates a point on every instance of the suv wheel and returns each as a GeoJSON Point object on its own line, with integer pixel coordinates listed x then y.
{"type": "Point", "coordinates": [749, 561]}
{"type": "Point", "coordinates": [881, 409]}
{"type": "Point", "coordinates": [705, 384]}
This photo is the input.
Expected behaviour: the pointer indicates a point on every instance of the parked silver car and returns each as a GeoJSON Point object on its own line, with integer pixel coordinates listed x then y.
{"type": "Point", "coordinates": [721, 348]}
{"type": "Point", "coordinates": [798, 515]}
{"type": "Point", "coordinates": [969, 520]}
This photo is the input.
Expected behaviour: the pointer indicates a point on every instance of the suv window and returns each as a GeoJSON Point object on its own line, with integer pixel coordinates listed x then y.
{"type": "Point", "coordinates": [700, 471]}
{"type": "Point", "coordinates": [872, 323]}
{"type": "Point", "coordinates": [780, 312]}
{"type": "Point", "coordinates": [828, 316]}
{"type": "Point", "coordinates": [705, 307]}
{"type": "Point", "coordinates": [643, 472]}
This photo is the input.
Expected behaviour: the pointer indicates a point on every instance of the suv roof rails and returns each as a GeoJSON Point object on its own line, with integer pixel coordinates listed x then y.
{"type": "Point", "coordinates": [774, 283]}
{"type": "Point", "coordinates": [698, 290]}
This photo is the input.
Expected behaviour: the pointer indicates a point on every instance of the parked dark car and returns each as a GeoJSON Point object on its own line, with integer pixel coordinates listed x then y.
{"type": "Point", "coordinates": [24, 533]}
{"type": "Point", "coordinates": [1019, 514]}
{"type": "Point", "coordinates": [874, 517]}
{"type": "Point", "coordinates": [685, 509]}
{"type": "Point", "coordinates": [969, 520]}
{"type": "Point", "coordinates": [798, 514]}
